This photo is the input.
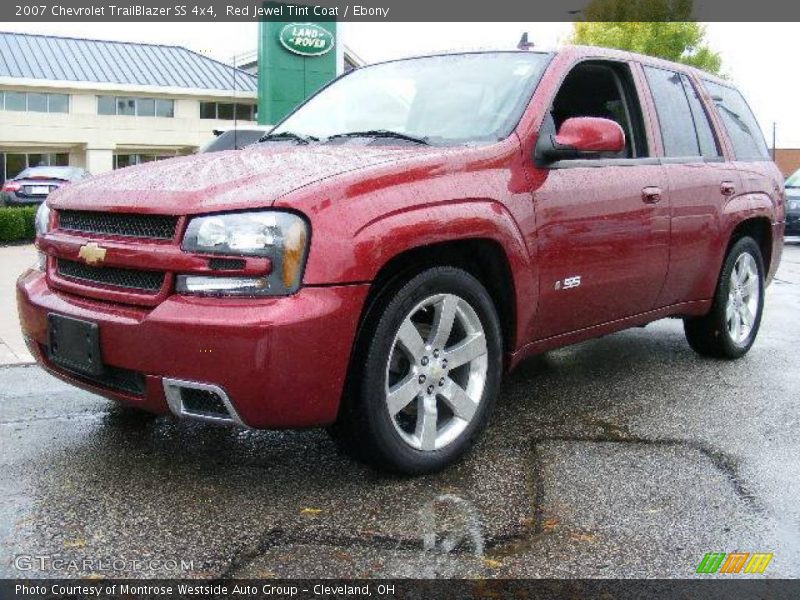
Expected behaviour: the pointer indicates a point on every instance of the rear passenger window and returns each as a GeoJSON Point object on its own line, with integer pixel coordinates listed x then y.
{"type": "Point", "coordinates": [705, 135]}
{"type": "Point", "coordinates": [742, 127]}
{"type": "Point", "coordinates": [674, 114]}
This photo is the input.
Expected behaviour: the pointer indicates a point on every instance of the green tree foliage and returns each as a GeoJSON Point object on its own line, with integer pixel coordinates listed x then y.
{"type": "Point", "coordinates": [655, 27]}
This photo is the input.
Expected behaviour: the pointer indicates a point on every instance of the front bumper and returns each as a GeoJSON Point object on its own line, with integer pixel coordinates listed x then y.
{"type": "Point", "coordinates": [281, 361]}
{"type": "Point", "coordinates": [792, 223]}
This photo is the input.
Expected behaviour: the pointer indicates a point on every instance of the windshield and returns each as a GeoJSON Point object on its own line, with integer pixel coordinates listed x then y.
{"type": "Point", "coordinates": [794, 180]}
{"type": "Point", "coordinates": [451, 99]}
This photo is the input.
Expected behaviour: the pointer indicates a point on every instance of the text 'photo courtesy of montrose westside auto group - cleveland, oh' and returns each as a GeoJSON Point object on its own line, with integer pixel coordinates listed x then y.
{"type": "Point", "coordinates": [390, 300]}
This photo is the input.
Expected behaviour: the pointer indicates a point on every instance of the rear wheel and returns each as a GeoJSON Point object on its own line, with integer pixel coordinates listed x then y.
{"type": "Point", "coordinates": [730, 328]}
{"type": "Point", "coordinates": [431, 369]}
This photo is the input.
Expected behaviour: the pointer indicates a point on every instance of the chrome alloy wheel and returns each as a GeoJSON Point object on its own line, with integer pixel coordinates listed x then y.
{"type": "Point", "coordinates": [743, 298]}
{"type": "Point", "coordinates": [436, 372]}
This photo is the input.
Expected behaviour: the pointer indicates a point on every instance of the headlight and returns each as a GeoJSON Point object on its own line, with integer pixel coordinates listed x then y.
{"type": "Point", "coordinates": [794, 205]}
{"type": "Point", "coordinates": [42, 225]}
{"type": "Point", "coordinates": [42, 220]}
{"type": "Point", "coordinates": [280, 236]}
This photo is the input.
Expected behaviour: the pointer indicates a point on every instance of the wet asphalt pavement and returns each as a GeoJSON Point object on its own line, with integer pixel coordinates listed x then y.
{"type": "Point", "coordinates": [627, 456]}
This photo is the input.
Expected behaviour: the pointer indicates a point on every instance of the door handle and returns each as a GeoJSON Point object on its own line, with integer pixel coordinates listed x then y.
{"type": "Point", "coordinates": [727, 188]}
{"type": "Point", "coordinates": [651, 195]}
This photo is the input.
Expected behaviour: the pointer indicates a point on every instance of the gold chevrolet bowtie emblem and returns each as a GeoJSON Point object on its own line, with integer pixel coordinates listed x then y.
{"type": "Point", "coordinates": [91, 253]}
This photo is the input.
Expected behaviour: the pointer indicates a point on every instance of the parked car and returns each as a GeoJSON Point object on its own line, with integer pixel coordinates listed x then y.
{"type": "Point", "coordinates": [380, 281]}
{"type": "Point", "coordinates": [234, 139]}
{"type": "Point", "coordinates": [34, 184]}
{"type": "Point", "coordinates": [793, 203]}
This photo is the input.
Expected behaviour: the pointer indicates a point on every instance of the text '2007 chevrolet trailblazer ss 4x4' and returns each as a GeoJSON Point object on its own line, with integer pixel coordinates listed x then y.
{"type": "Point", "coordinates": [408, 234]}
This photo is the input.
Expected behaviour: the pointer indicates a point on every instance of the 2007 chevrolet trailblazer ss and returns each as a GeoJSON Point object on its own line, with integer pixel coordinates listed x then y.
{"type": "Point", "coordinates": [419, 226]}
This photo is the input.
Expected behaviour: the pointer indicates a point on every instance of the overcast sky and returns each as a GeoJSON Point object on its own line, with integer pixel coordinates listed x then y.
{"type": "Point", "coordinates": [756, 56]}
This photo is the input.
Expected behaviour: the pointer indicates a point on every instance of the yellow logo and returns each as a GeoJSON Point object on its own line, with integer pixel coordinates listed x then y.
{"type": "Point", "coordinates": [91, 253]}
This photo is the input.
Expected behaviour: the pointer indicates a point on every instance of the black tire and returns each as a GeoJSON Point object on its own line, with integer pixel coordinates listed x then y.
{"type": "Point", "coordinates": [709, 335]}
{"type": "Point", "coordinates": [365, 428]}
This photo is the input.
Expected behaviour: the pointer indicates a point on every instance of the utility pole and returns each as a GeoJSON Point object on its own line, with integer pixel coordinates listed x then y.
{"type": "Point", "coordinates": [774, 137]}
{"type": "Point", "coordinates": [235, 128]}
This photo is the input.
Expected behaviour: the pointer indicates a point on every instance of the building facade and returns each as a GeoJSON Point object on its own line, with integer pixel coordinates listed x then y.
{"type": "Point", "coordinates": [788, 160]}
{"type": "Point", "coordinates": [102, 105]}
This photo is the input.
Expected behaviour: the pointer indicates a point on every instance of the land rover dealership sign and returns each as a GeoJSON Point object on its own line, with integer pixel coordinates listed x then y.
{"type": "Point", "coordinates": [306, 39]}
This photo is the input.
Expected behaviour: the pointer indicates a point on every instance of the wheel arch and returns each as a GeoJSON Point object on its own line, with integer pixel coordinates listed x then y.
{"type": "Point", "coordinates": [477, 235]}
{"type": "Point", "coordinates": [483, 258]}
{"type": "Point", "coordinates": [760, 229]}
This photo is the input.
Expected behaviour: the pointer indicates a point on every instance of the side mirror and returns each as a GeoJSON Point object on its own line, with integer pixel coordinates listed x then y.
{"type": "Point", "coordinates": [579, 136]}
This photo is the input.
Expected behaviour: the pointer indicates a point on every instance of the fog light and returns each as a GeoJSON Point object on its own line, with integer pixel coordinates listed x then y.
{"type": "Point", "coordinates": [228, 286]}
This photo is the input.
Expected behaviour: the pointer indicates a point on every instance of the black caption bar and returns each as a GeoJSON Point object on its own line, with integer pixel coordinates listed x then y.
{"type": "Point", "coordinates": [397, 10]}
{"type": "Point", "coordinates": [729, 589]}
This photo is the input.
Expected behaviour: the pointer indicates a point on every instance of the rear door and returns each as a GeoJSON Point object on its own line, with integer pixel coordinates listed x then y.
{"type": "Point", "coordinates": [761, 181]}
{"type": "Point", "coordinates": [602, 224]}
{"type": "Point", "coordinates": [699, 181]}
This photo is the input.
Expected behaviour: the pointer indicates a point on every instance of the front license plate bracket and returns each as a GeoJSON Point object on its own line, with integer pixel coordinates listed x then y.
{"type": "Point", "coordinates": [74, 344]}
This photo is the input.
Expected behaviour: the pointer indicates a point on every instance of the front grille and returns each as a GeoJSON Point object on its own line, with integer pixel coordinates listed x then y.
{"type": "Point", "coordinates": [149, 281]}
{"type": "Point", "coordinates": [160, 227]}
{"type": "Point", "coordinates": [226, 264]}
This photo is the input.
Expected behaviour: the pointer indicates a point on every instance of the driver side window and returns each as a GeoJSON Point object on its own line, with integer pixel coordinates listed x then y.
{"type": "Point", "coordinates": [605, 90]}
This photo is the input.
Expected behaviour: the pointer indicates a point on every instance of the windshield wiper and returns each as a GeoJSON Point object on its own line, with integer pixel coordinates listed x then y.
{"type": "Point", "coordinates": [288, 135]}
{"type": "Point", "coordinates": [382, 133]}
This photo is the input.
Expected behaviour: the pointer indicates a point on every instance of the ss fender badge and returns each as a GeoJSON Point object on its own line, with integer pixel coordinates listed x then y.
{"type": "Point", "coordinates": [568, 282]}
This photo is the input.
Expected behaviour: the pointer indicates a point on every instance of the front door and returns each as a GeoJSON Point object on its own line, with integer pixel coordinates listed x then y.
{"type": "Point", "coordinates": [603, 250]}
{"type": "Point", "coordinates": [603, 225]}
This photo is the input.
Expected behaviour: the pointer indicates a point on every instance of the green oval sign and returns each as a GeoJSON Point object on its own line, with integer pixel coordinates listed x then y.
{"type": "Point", "coordinates": [306, 39]}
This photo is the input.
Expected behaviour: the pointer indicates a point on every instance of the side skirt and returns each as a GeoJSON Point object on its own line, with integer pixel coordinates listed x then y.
{"type": "Point", "coordinates": [694, 308]}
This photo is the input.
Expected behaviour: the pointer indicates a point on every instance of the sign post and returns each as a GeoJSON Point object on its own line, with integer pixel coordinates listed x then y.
{"type": "Point", "coordinates": [295, 59]}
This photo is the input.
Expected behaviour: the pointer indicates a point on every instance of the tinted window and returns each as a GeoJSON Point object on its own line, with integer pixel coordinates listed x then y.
{"type": "Point", "coordinates": [37, 102]}
{"type": "Point", "coordinates": [225, 111]}
{"type": "Point", "coordinates": [604, 90]}
{"type": "Point", "coordinates": [126, 106]}
{"type": "Point", "coordinates": [106, 105]}
{"type": "Point", "coordinates": [742, 127]}
{"type": "Point", "coordinates": [15, 101]}
{"type": "Point", "coordinates": [705, 134]}
{"type": "Point", "coordinates": [146, 107]}
{"type": "Point", "coordinates": [674, 114]}
{"type": "Point", "coordinates": [165, 108]}
{"type": "Point", "coordinates": [15, 163]}
{"type": "Point", "coordinates": [36, 160]}
{"type": "Point", "coordinates": [244, 112]}
{"type": "Point", "coordinates": [57, 103]}
{"type": "Point", "coordinates": [208, 110]}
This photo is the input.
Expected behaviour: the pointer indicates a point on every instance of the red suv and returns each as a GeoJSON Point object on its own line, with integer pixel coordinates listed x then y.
{"type": "Point", "coordinates": [408, 234]}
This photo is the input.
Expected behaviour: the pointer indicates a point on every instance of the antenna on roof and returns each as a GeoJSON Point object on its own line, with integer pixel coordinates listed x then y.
{"type": "Point", "coordinates": [524, 44]}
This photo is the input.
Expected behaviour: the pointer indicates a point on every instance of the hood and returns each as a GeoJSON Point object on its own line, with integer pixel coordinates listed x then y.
{"type": "Point", "coordinates": [224, 180]}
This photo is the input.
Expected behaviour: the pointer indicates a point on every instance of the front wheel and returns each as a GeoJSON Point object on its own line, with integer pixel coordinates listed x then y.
{"type": "Point", "coordinates": [430, 376]}
{"type": "Point", "coordinates": [730, 328]}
